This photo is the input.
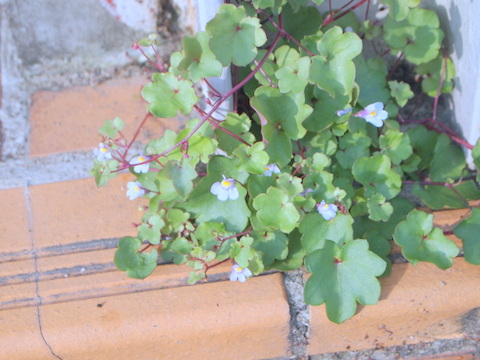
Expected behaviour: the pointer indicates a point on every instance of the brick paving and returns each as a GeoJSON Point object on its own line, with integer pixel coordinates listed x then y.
{"type": "Point", "coordinates": [61, 295]}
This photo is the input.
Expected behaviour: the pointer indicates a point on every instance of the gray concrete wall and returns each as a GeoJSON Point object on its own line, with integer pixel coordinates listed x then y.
{"type": "Point", "coordinates": [57, 44]}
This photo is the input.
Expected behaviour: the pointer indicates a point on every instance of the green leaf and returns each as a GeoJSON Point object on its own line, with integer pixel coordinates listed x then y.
{"type": "Point", "coordinates": [316, 230]}
{"type": "Point", "coordinates": [476, 158]}
{"type": "Point", "coordinates": [181, 173]}
{"type": "Point", "coordinates": [274, 5]}
{"type": "Point", "coordinates": [207, 208]}
{"type": "Point", "coordinates": [235, 36]}
{"type": "Point", "coordinates": [378, 208]}
{"type": "Point", "coordinates": [293, 71]}
{"type": "Point", "coordinates": [371, 76]}
{"type": "Point", "coordinates": [168, 95]}
{"type": "Point", "coordinates": [420, 241]}
{"type": "Point", "coordinates": [352, 147]}
{"type": "Point", "coordinates": [242, 252]}
{"type": "Point", "coordinates": [333, 69]}
{"type": "Point", "coordinates": [433, 72]}
{"type": "Point", "coordinates": [418, 35]}
{"type": "Point", "coordinates": [398, 9]}
{"type": "Point", "coordinates": [181, 245]}
{"type": "Point", "coordinates": [177, 220]}
{"type": "Point", "coordinates": [468, 231]}
{"type": "Point", "coordinates": [422, 142]}
{"type": "Point", "coordinates": [239, 125]}
{"type": "Point", "coordinates": [400, 91]}
{"type": "Point", "coordinates": [150, 229]}
{"type": "Point", "coordinates": [295, 256]}
{"type": "Point", "coordinates": [376, 175]}
{"type": "Point", "coordinates": [252, 158]}
{"type": "Point", "coordinates": [104, 171]}
{"type": "Point", "coordinates": [291, 185]}
{"type": "Point", "coordinates": [282, 111]}
{"type": "Point", "coordinates": [198, 60]}
{"type": "Point", "coordinates": [301, 22]}
{"type": "Point", "coordinates": [272, 245]}
{"type": "Point", "coordinates": [110, 128]}
{"type": "Point", "coordinates": [396, 145]}
{"type": "Point", "coordinates": [279, 147]}
{"type": "Point", "coordinates": [324, 113]}
{"type": "Point", "coordinates": [438, 196]}
{"type": "Point", "coordinates": [448, 160]}
{"type": "Point", "coordinates": [150, 40]}
{"type": "Point", "coordinates": [276, 211]}
{"type": "Point", "coordinates": [137, 265]}
{"type": "Point", "coordinates": [343, 276]}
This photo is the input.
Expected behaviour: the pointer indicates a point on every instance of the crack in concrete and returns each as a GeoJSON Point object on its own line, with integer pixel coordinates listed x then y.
{"type": "Point", "coordinates": [35, 262]}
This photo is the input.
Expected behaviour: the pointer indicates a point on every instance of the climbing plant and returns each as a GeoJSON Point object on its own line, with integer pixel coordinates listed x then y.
{"type": "Point", "coordinates": [308, 167]}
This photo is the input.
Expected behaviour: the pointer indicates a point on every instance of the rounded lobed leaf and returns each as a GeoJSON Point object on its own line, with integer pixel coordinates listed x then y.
{"type": "Point", "coordinates": [420, 241]}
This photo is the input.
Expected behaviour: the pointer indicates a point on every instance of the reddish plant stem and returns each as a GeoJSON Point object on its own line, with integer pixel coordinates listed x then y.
{"type": "Point", "coordinates": [395, 65]}
{"type": "Point", "coordinates": [146, 247]}
{"type": "Point", "coordinates": [208, 267]}
{"type": "Point", "coordinates": [148, 58]}
{"type": "Point", "coordinates": [216, 125]}
{"type": "Point", "coordinates": [368, 9]}
{"type": "Point", "coordinates": [215, 91]}
{"type": "Point", "coordinates": [136, 135]}
{"type": "Point", "coordinates": [329, 19]}
{"type": "Point", "coordinates": [286, 34]}
{"type": "Point", "coordinates": [235, 94]}
{"type": "Point", "coordinates": [159, 64]}
{"type": "Point", "coordinates": [440, 86]}
{"type": "Point", "coordinates": [222, 99]}
{"type": "Point", "coordinates": [432, 125]}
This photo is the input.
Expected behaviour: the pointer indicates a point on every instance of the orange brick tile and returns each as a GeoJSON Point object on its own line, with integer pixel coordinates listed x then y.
{"type": "Point", "coordinates": [21, 339]}
{"type": "Point", "coordinates": [220, 320]}
{"type": "Point", "coordinates": [75, 211]}
{"type": "Point", "coordinates": [15, 241]}
{"type": "Point", "coordinates": [69, 120]}
{"type": "Point", "coordinates": [419, 303]}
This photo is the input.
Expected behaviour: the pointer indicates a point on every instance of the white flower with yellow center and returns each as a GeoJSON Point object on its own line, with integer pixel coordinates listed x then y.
{"type": "Point", "coordinates": [374, 114]}
{"type": "Point", "coordinates": [328, 211]}
{"type": "Point", "coordinates": [135, 190]}
{"type": "Point", "coordinates": [225, 189]}
{"type": "Point", "coordinates": [102, 152]}
{"type": "Point", "coordinates": [239, 273]}
{"type": "Point", "coordinates": [140, 159]}
{"type": "Point", "coordinates": [271, 169]}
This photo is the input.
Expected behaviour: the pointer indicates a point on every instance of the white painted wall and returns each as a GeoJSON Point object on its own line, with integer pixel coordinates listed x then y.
{"type": "Point", "coordinates": [462, 29]}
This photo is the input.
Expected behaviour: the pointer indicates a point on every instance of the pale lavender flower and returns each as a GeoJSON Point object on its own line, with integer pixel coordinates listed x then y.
{"type": "Point", "coordinates": [239, 273]}
{"type": "Point", "coordinates": [142, 168]}
{"type": "Point", "coordinates": [343, 112]}
{"type": "Point", "coordinates": [225, 189]}
{"type": "Point", "coordinates": [328, 211]}
{"type": "Point", "coordinates": [271, 169]}
{"type": "Point", "coordinates": [374, 114]}
{"type": "Point", "coordinates": [102, 152]}
{"type": "Point", "coordinates": [135, 190]}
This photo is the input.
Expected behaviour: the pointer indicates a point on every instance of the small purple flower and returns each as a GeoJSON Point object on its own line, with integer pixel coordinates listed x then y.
{"type": "Point", "coordinates": [328, 211]}
{"type": "Point", "coordinates": [135, 190]}
{"type": "Point", "coordinates": [225, 189]}
{"type": "Point", "coordinates": [343, 112]}
{"type": "Point", "coordinates": [271, 169]}
{"type": "Point", "coordinates": [239, 273]}
{"type": "Point", "coordinates": [142, 168]}
{"type": "Point", "coordinates": [374, 114]}
{"type": "Point", "coordinates": [102, 152]}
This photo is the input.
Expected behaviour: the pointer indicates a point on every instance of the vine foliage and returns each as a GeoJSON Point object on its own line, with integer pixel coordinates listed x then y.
{"type": "Point", "coordinates": [310, 172]}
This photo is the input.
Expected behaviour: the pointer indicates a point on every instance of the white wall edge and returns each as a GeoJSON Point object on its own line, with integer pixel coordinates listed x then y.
{"type": "Point", "coordinates": [206, 10]}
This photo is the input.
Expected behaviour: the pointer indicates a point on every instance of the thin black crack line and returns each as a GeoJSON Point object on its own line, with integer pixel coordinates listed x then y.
{"type": "Point", "coordinates": [35, 265]}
